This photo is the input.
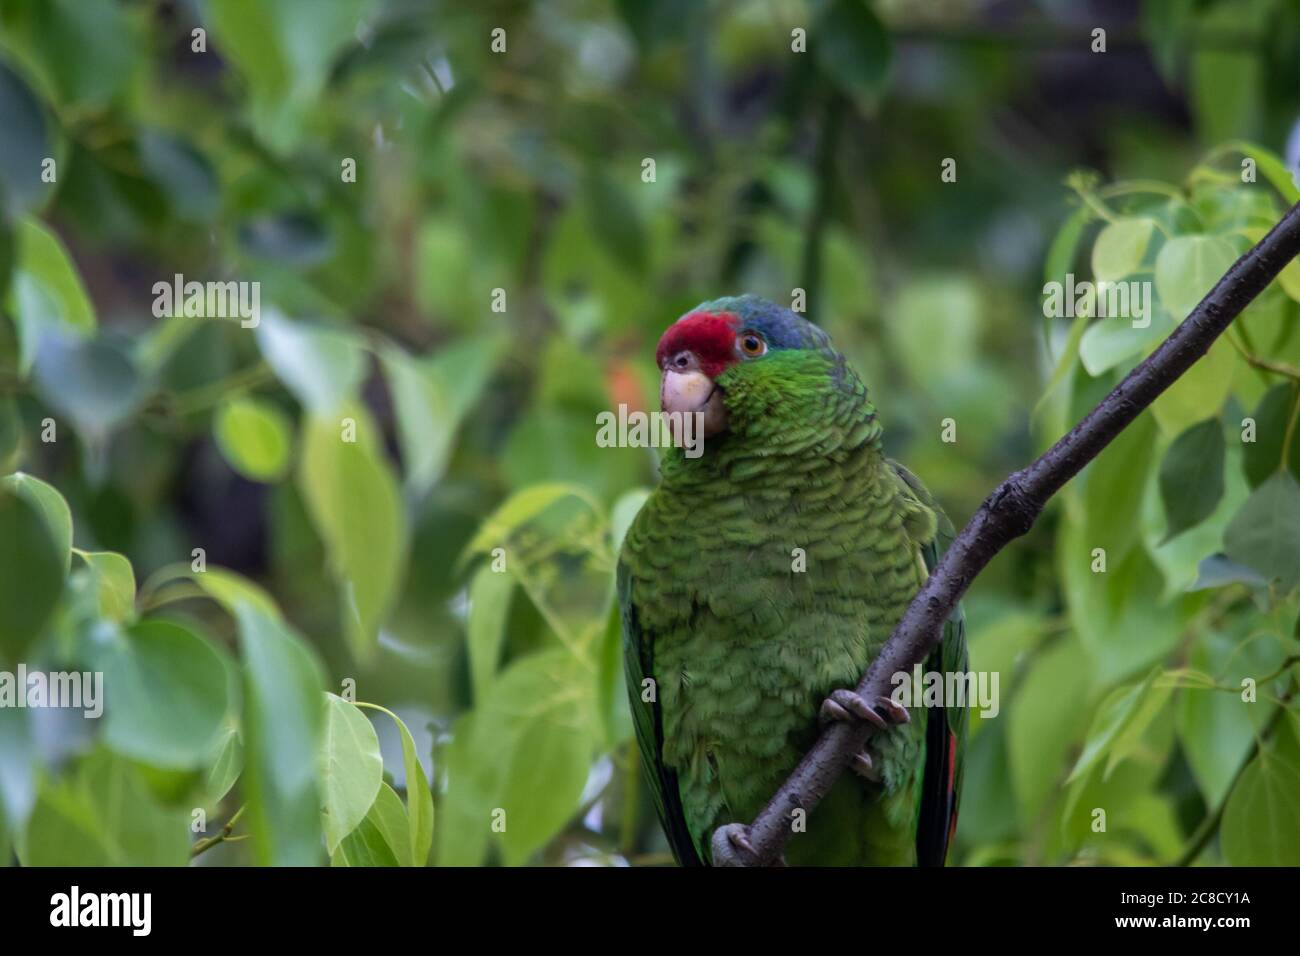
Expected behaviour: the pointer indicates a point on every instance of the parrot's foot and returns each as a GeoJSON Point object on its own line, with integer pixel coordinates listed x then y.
{"type": "Point", "coordinates": [731, 846]}
{"type": "Point", "coordinates": [846, 705]}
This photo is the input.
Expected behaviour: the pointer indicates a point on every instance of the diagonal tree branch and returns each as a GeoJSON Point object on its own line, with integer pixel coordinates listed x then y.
{"type": "Point", "coordinates": [1008, 513]}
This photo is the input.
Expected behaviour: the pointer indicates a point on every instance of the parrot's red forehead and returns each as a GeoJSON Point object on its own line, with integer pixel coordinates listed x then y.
{"type": "Point", "coordinates": [710, 335]}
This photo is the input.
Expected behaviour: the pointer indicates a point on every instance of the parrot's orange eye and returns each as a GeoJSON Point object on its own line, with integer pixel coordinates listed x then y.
{"type": "Point", "coordinates": [751, 344]}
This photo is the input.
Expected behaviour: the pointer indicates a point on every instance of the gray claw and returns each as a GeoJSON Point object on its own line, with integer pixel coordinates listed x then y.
{"type": "Point", "coordinates": [731, 846]}
{"type": "Point", "coordinates": [832, 711]}
{"type": "Point", "coordinates": [865, 767]}
{"type": "Point", "coordinates": [843, 702]}
{"type": "Point", "coordinates": [897, 712]}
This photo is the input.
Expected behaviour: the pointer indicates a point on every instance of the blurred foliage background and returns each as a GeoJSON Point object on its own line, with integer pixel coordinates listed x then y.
{"type": "Point", "coordinates": [464, 257]}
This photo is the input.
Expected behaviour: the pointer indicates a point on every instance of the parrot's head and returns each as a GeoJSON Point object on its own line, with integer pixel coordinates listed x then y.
{"type": "Point", "coordinates": [750, 366]}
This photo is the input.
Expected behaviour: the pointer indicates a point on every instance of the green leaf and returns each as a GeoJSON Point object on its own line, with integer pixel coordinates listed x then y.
{"type": "Point", "coordinates": [1198, 392]}
{"type": "Point", "coordinates": [283, 724]}
{"type": "Point", "coordinates": [296, 239]}
{"type": "Point", "coordinates": [1122, 628]}
{"type": "Point", "coordinates": [1119, 724]}
{"type": "Point", "coordinates": [231, 590]}
{"type": "Point", "coordinates": [466, 807]}
{"type": "Point", "coordinates": [538, 726]}
{"type": "Point", "coordinates": [1263, 456]}
{"type": "Point", "coordinates": [1114, 488]}
{"type": "Point", "coordinates": [114, 583]}
{"type": "Point", "coordinates": [1265, 533]}
{"type": "Point", "coordinates": [18, 767]}
{"type": "Point", "coordinates": [432, 396]}
{"type": "Point", "coordinates": [32, 569]}
{"type": "Point", "coordinates": [246, 33]}
{"type": "Point", "coordinates": [1124, 788]}
{"type": "Point", "coordinates": [623, 514]}
{"type": "Point", "coordinates": [103, 815]}
{"type": "Point", "coordinates": [1289, 280]}
{"type": "Point", "coordinates": [168, 695]}
{"type": "Point", "coordinates": [1182, 559]}
{"type": "Point", "coordinates": [1109, 342]}
{"type": "Point", "coordinates": [1188, 267]}
{"type": "Point", "coordinates": [284, 52]}
{"type": "Point", "coordinates": [1166, 25]}
{"type": "Point", "coordinates": [224, 768]}
{"type": "Point", "coordinates": [24, 146]}
{"type": "Point", "coordinates": [1216, 728]}
{"type": "Point", "coordinates": [42, 255]}
{"type": "Point", "coordinates": [351, 769]}
{"type": "Point", "coordinates": [1060, 259]}
{"type": "Point", "coordinates": [419, 799]}
{"type": "Point", "coordinates": [47, 294]}
{"type": "Point", "coordinates": [489, 607]}
{"type": "Point", "coordinates": [937, 324]}
{"type": "Point", "coordinates": [65, 829]}
{"type": "Point", "coordinates": [11, 428]}
{"type": "Point", "coordinates": [1121, 247]}
{"type": "Point", "coordinates": [1043, 719]}
{"type": "Point", "coordinates": [88, 47]}
{"type": "Point", "coordinates": [1261, 822]}
{"type": "Point", "coordinates": [52, 506]}
{"type": "Point", "coordinates": [382, 838]}
{"type": "Point", "coordinates": [1225, 86]}
{"type": "Point", "coordinates": [518, 510]}
{"type": "Point", "coordinates": [1271, 165]}
{"type": "Point", "coordinates": [553, 444]}
{"type": "Point", "coordinates": [1216, 571]}
{"type": "Point", "coordinates": [354, 502]}
{"type": "Point", "coordinates": [1065, 363]}
{"type": "Point", "coordinates": [852, 47]}
{"type": "Point", "coordinates": [320, 366]}
{"type": "Point", "coordinates": [255, 437]}
{"type": "Point", "coordinates": [183, 173]}
{"type": "Point", "coordinates": [1191, 476]}
{"type": "Point", "coordinates": [282, 720]}
{"type": "Point", "coordinates": [655, 24]}
{"type": "Point", "coordinates": [95, 383]}
{"type": "Point", "coordinates": [1063, 251]}
{"type": "Point", "coordinates": [615, 220]}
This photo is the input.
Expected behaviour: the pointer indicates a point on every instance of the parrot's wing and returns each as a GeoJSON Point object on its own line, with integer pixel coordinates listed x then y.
{"type": "Point", "coordinates": [945, 739]}
{"type": "Point", "coordinates": [647, 718]}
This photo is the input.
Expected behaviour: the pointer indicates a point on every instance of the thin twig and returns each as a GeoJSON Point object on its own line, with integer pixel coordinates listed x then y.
{"type": "Point", "coordinates": [224, 836]}
{"type": "Point", "coordinates": [1263, 364]}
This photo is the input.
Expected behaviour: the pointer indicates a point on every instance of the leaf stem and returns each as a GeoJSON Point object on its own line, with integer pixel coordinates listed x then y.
{"type": "Point", "coordinates": [207, 843]}
{"type": "Point", "coordinates": [1290, 429]}
{"type": "Point", "coordinates": [1266, 365]}
{"type": "Point", "coordinates": [1210, 825]}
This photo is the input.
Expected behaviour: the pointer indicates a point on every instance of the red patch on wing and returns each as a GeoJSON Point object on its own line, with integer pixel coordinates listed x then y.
{"type": "Point", "coordinates": [710, 335]}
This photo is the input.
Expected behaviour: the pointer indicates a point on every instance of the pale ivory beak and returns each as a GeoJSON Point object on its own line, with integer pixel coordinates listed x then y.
{"type": "Point", "coordinates": [693, 391]}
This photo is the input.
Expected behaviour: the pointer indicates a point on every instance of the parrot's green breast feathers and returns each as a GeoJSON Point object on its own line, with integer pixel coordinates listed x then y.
{"type": "Point", "coordinates": [765, 573]}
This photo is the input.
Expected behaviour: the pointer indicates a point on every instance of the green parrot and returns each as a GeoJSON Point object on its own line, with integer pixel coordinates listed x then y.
{"type": "Point", "coordinates": [756, 584]}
